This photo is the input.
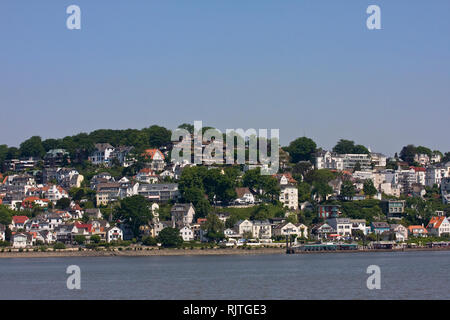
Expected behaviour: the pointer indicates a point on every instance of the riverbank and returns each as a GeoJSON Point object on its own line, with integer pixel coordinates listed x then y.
{"type": "Point", "coordinates": [142, 253]}
{"type": "Point", "coordinates": [189, 252]}
{"type": "Point", "coordinates": [373, 250]}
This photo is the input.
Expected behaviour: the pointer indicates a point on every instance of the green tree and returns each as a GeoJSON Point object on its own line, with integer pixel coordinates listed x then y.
{"type": "Point", "coordinates": [322, 190]}
{"type": "Point", "coordinates": [170, 238]}
{"type": "Point", "coordinates": [348, 190]}
{"type": "Point", "coordinates": [95, 238]}
{"type": "Point", "coordinates": [300, 169]}
{"type": "Point", "coordinates": [347, 146]}
{"type": "Point", "coordinates": [369, 189]}
{"type": "Point", "coordinates": [302, 149]}
{"type": "Point", "coordinates": [63, 203]}
{"type": "Point", "coordinates": [424, 150]}
{"type": "Point", "coordinates": [446, 157]}
{"type": "Point", "coordinates": [135, 212]}
{"type": "Point", "coordinates": [32, 148]}
{"type": "Point", "coordinates": [407, 154]}
{"type": "Point", "coordinates": [79, 239]}
{"type": "Point", "coordinates": [304, 192]}
{"type": "Point", "coordinates": [344, 146]}
{"type": "Point", "coordinates": [214, 227]}
{"type": "Point", "coordinates": [149, 241]}
{"type": "Point", "coordinates": [158, 136]}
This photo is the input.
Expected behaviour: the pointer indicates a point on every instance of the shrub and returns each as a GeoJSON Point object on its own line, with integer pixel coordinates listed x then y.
{"type": "Point", "coordinates": [59, 246]}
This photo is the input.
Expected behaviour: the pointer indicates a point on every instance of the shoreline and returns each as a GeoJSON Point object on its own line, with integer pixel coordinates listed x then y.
{"type": "Point", "coordinates": [141, 253]}
{"type": "Point", "coordinates": [188, 252]}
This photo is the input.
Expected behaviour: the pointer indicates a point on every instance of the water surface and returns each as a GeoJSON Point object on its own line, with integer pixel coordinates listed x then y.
{"type": "Point", "coordinates": [404, 275]}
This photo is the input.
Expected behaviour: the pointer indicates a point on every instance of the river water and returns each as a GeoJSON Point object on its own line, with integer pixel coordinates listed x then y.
{"type": "Point", "coordinates": [404, 275]}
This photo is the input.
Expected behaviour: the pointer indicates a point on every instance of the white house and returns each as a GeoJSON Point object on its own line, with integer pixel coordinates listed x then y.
{"type": "Point", "coordinates": [343, 226]}
{"type": "Point", "coordinates": [285, 229]}
{"type": "Point", "coordinates": [146, 175]}
{"type": "Point", "coordinates": [22, 240]}
{"type": "Point", "coordinates": [230, 233]}
{"type": "Point", "coordinates": [187, 234]}
{"type": "Point", "coordinates": [102, 154]}
{"type": "Point", "coordinates": [244, 196]}
{"type": "Point", "coordinates": [262, 230]}
{"type": "Point", "coordinates": [114, 234]}
{"type": "Point", "coordinates": [438, 226]}
{"type": "Point", "coordinates": [18, 222]}
{"type": "Point", "coordinates": [400, 231]}
{"type": "Point", "coordinates": [243, 226]}
{"type": "Point", "coordinates": [289, 196]}
{"type": "Point", "coordinates": [359, 224]}
{"type": "Point", "coordinates": [182, 214]}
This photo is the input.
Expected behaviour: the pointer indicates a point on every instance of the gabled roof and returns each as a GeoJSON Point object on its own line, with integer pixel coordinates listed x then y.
{"type": "Point", "coordinates": [381, 225]}
{"type": "Point", "coordinates": [150, 153]}
{"type": "Point", "coordinates": [411, 228]}
{"type": "Point", "coordinates": [19, 219]}
{"type": "Point", "coordinates": [435, 222]}
{"type": "Point", "coordinates": [242, 191]}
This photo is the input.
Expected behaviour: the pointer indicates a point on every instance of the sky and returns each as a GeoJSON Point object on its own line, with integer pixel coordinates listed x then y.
{"type": "Point", "coordinates": [309, 68]}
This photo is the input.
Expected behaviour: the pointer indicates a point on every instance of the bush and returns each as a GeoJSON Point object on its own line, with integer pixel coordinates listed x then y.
{"type": "Point", "coordinates": [96, 238]}
{"type": "Point", "coordinates": [149, 241]}
{"type": "Point", "coordinates": [4, 244]}
{"type": "Point", "coordinates": [59, 246]}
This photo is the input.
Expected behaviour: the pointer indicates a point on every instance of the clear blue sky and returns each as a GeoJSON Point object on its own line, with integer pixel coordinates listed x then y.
{"type": "Point", "coordinates": [306, 67]}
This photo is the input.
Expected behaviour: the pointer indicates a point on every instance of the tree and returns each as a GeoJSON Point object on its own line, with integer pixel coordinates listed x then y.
{"type": "Point", "coordinates": [300, 169]}
{"type": "Point", "coordinates": [348, 190]}
{"type": "Point", "coordinates": [344, 146]}
{"type": "Point", "coordinates": [79, 239]}
{"type": "Point", "coordinates": [95, 238]}
{"type": "Point", "coordinates": [319, 176]}
{"type": "Point", "coordinates": [158, 136]}
{"type": "Point", "coordinates": [302, 149]}
{"type": "Point", "coordinates": [347, 146]}
{"type": "Point", "coordinates": [322, 190]}
{"type": "Point", "coordinates": [407, 154]}
{"type": "Point", "coordinates": [260, 213]}
{"type": "Point", "coordinates": [149, 241]}
{"type": "Point", "coordinates": [446, 157]}
{"type": "Point", "coordinates": [214, 227]}
{"type": "Point", "coordinates": [369, 189]}
{"type": "Point", "coordinates": [63, 203]}
{"type": "Point", "coordinates": [32, 148]}
{"type": "Point", "coordinates": [188, 127]}
{"type": "Point", "coordinates": [424, 150]}
{"type": "Point", "coordinates": [135, 212]}
{"type": "Point", "coordinates": [304, 192]}
{"type": "Point", "coordinates": [6, 215]}
{"type": "Point", "coordinates": [170, 238]}
{"type": "Point", "coordinates": [270, 187]}
{"type": "Point", "coordinates": [357, 166]}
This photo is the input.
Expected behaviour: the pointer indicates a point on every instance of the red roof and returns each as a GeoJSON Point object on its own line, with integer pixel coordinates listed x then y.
{"type": "Point", "coordinates": [150, 153]}
{"type": "Point", "coordinates": [19, 219]}
{"type": "Point", "coordinates": [147, 171]}
{"type": "Point", "coordinates": [418, 169]}
{"type": "Point", "coordinates": [435, 222]}
{"type": "Point", "coordinates": [87, 226]}
{"type": "Point", "coordinates": [412, 228]}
